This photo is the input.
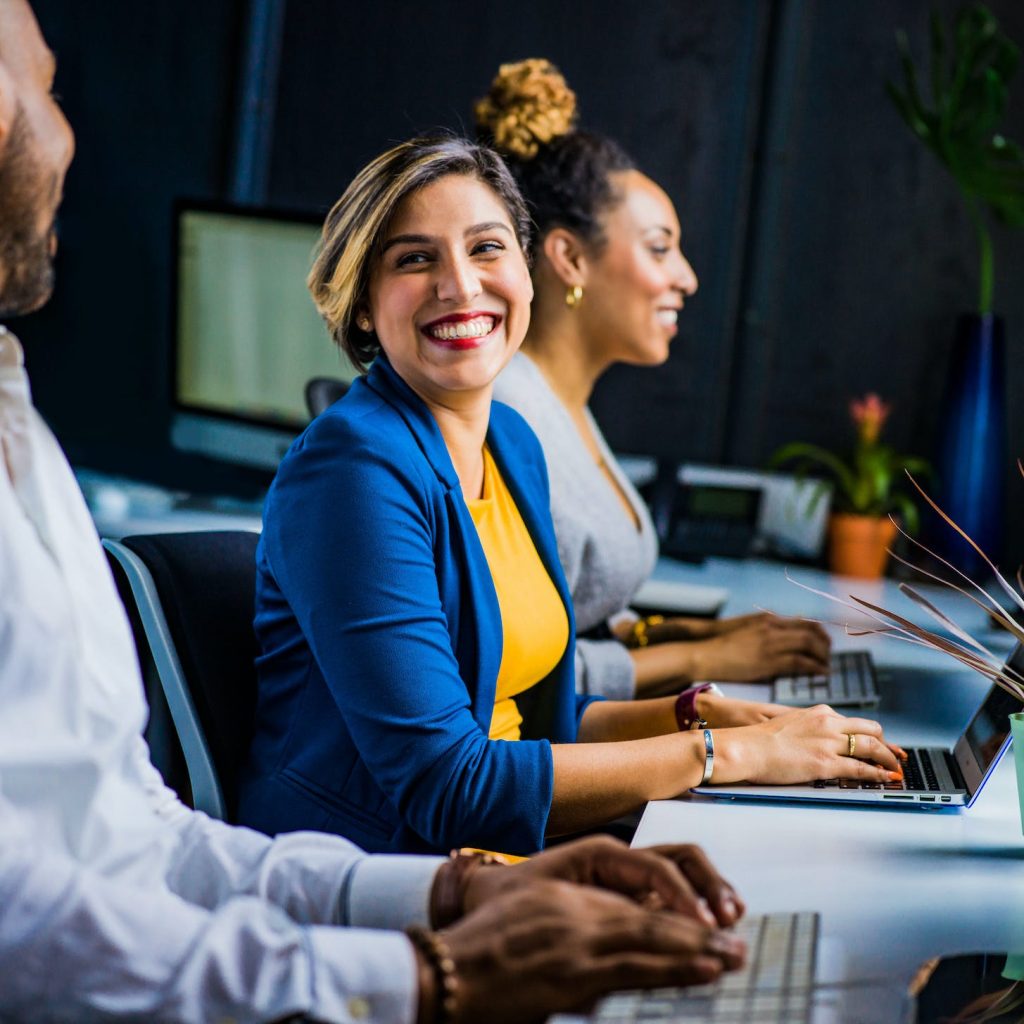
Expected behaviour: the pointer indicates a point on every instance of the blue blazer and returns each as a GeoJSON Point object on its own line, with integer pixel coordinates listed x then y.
{"type": "Point", "coordinates": [380, 639]}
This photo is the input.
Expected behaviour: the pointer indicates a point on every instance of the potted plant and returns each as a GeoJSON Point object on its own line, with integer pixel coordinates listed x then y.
{"type": "Point", "coordinates": [869, 485]}
{"type": "Point", "coordinates": [968, 81]}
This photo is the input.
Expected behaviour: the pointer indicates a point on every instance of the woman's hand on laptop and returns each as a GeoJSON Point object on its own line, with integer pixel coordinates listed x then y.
{"type": "Point", "coordinates": [677, 877]}
{"type": "Point", "coordinates": [805, 745]}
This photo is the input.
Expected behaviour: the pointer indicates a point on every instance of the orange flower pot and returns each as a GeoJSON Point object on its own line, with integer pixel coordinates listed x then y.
{"type": "Point", "coordinates": [857, 544]}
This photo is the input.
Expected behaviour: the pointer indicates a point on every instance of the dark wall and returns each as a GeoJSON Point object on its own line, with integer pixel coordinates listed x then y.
{"type": "Point", "coordinates": [871, 254]}
{"type": "Point", "coordinates": [833, 251]}
{"type": "Point", "coordinates": [678, 85]}
{"type": "Point", "coordinates": [150, 91]}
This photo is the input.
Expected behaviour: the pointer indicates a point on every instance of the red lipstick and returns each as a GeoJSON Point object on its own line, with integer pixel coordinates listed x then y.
{"type": "Point", "coordinates": [454, 341]}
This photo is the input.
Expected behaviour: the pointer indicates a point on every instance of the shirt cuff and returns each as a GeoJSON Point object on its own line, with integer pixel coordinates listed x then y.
{"type": "Point", "coordinates": [604, 668]}
{"type": "Point", "coordinates": [626, 615]}
{"type": "Point", "coordinates": [391, 891]}
{"type": "Point", "coordinates": [362, 977]}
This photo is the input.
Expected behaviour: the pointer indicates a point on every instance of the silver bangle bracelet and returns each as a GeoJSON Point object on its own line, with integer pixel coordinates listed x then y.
{"type": "Point", "coordinates": [709, 757]}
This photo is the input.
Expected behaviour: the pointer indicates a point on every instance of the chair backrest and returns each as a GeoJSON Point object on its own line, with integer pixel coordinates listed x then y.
{"type": "Point", "coordinates": [195, 593]}
{"type": "Point", "coordinates": [322, 392]}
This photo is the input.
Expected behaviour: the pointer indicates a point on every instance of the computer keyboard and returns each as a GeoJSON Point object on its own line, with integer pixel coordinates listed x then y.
{"type": "Point", "coordinates": [851, 683]}
{"type": "Point", "coordinates": [775, 986]}
{"type": "Point", "coordinates": [919, 774]}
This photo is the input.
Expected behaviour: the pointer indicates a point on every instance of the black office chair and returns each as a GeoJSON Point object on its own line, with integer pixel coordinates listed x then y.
{"type": "Point", "coordinates": [322, 392]}
{"type": "Point", "coordinates": [194, 594]}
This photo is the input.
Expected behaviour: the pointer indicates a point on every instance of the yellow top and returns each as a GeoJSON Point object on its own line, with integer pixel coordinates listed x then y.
{"type": "Point", "coordinates": [534, 625]}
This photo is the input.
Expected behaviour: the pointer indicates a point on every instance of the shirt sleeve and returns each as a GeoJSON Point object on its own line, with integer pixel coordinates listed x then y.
{"type": "Point", "coordinates": [605, 668]}
{"type": "Point", "coordinates": [313, 877]}
{"type": "Point", "coordinates": [78, 946]}
{"type": "Point", "coordinates": [350, 538]}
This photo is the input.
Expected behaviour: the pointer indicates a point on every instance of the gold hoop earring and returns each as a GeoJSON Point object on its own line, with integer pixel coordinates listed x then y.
{"type": "Point", "coordinates": [364, 323]}
{"type": "Point", "coordinates": [573, 296]}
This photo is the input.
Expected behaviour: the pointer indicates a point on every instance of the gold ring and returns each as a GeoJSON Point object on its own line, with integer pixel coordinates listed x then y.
{"type": "Point", "coordinates": [851, 745]}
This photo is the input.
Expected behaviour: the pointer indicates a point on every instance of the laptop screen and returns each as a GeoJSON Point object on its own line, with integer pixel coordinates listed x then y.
{"type": "Point", "coordinates": [988, 729]}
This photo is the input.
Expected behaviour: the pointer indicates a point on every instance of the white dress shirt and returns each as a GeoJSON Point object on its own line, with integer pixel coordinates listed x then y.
{"type": "Point", "coordinates": [116, 901]}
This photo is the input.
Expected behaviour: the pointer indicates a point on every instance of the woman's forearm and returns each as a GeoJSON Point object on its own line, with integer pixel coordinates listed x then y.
{"type": "Point", "coordinates": [666, 668]}
{"type": "Point", "coordinates": [597, 782]}
{"type": "Point", "coordinates": [610, 721]}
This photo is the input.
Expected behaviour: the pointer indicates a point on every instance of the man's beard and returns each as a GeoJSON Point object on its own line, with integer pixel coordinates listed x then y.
{"type": "Point", "coordinates": [26, 266]}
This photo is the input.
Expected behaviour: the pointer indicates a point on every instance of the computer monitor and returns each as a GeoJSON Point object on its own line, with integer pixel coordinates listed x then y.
{"type": "Point", "coordinates": [247, 336]}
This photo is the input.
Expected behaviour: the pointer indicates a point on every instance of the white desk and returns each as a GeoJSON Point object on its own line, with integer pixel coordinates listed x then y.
{"type": "Point", "coordinates": [894, 886]}
{"type": "Point", "coordinates": [122, 507]}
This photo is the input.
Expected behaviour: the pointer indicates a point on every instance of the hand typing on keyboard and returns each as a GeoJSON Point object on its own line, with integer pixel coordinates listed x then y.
{"type": "Point", "coordinates": [755, 647]}
{"type": "Point", "coordinates": [672, 652]}
{"type": "Point", "coordinates": [804, 745]}
{"type": "Point", "coordinates": [561, 946]}
{"type": "Point", "coordinates": [678, 876]}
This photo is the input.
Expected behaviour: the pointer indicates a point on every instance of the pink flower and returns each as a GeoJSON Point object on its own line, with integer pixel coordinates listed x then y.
{"type": "Point", "coordinates": [869, 415]}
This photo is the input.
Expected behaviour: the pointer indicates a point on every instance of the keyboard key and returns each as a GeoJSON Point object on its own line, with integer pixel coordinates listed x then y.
{"type": "Point", "coordinates": [851, 681]}
{"type": "Point", "coordinates": [774, 987]}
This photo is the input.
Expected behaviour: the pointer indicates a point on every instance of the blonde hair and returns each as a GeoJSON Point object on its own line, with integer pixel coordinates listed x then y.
{"type": "Point", "coordinates": [354, 230]}
{"type": "Point", "coordinates": [529, 105]}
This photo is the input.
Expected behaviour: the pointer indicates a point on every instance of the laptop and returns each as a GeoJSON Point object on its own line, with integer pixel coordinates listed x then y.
{"type": "Point", "coordinates": [932, 777]}
{"type": "Point", "coordinates": [851, 682]}
{"type": "Point", "coordinates": [776, 984]}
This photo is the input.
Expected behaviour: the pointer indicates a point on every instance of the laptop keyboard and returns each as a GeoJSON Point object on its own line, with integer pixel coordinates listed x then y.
{"type": "Point", "coordinates": [852, 681]}
{"type": "Point", "coordinates": [918, 774]}
{"type": "Point", "coordinates": [775, 986]}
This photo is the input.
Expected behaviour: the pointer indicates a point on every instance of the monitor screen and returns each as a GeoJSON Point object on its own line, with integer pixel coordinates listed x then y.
{"type": "Point", "coordinates": [733, 504]}
{"type": "Point", "coordinates": [988, 729]}
{"type": "Point", "coordinates": [247, 336]}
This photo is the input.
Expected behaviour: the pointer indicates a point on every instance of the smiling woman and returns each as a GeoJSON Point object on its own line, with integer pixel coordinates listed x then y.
{"type": "Point", "coordinates": [611, 282]}
{"type": "Point", "coordinates": [449, 299]}
{"type": "Point", "coordinates": [415, 626]}
{"type": "Point", "coordinates": [394, 643]}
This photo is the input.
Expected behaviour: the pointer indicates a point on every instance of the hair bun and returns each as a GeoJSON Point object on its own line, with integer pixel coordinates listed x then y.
{"type": "Point", "coordinates": [529, 104]}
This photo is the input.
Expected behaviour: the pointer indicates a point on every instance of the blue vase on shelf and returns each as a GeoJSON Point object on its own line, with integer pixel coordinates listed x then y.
{"type": "Point", "coordinates": [972, 463]}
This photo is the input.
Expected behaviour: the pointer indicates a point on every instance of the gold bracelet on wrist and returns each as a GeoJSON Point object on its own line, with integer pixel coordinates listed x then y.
{"type": "Point", "coordinates": [638, 636]}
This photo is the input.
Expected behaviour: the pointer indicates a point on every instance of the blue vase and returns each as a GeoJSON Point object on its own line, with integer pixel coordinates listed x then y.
{"type": "Point", "coordinates": [972, 464]}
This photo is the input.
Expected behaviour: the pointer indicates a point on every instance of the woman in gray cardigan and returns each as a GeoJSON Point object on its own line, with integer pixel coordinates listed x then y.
{"type": "Point", "coordinates": [610, 281]}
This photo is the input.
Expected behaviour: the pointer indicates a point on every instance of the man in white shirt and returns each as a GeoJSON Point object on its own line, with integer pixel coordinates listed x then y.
{"type": "Point", "coordinates": [117, 902]}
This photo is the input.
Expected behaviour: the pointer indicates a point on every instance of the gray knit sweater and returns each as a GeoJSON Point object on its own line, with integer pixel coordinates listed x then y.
{"type": "Point", "coordinates": [604, 556]}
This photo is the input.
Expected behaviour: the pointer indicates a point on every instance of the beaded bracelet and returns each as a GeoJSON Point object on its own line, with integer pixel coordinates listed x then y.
{"type": "Point", "coordinates": [437, 954]}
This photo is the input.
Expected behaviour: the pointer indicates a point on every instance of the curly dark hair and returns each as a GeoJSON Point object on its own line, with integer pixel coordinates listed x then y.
{"type": "Point", "coordinates": [568, 183]}
{"type": "Point", "coordinates": [564, 174]}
